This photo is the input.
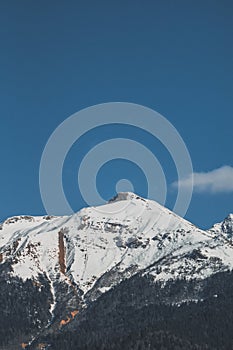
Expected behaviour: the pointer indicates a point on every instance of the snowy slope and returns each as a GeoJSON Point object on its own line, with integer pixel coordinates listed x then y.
{"type": "Point", "coordinates": [99, 246]}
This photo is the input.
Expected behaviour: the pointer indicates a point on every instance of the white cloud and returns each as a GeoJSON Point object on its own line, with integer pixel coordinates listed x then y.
{"type": "Point", "coordinates": [215, 181]}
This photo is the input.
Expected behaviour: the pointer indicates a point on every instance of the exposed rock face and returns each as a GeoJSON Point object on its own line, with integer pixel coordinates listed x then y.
{"type": "Point", "coordinates": [61, 252]}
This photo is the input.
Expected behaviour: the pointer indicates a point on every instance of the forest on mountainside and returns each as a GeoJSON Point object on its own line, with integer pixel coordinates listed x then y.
{"type": "Point", "coordinates": [140, 314]}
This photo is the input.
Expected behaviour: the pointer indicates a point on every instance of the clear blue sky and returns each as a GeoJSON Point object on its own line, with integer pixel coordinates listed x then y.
{"type": "Point", "coordinates": [58, 57]}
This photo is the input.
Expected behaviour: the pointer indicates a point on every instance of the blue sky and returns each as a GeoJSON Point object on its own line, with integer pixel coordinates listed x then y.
{"type": "Point", "coordinates": [58, 57]}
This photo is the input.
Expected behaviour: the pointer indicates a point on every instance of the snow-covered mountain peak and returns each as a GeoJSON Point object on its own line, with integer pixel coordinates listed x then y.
{"type": "Point", "coordinates": [229, 218]}
{"type": "Point", "coordinates": [225, 227]}
{"type": "Point", "coordinates": [140, 212]}
{"type": "Point", "coordinates": [127, 235]}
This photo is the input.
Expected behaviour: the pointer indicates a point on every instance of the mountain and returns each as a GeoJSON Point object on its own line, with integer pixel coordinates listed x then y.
{"type": "Point", "coordinates": [131, 259]}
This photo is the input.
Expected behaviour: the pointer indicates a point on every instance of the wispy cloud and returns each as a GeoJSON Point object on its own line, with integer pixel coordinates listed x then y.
{"type": "Point", "coordinates": [215, 181]}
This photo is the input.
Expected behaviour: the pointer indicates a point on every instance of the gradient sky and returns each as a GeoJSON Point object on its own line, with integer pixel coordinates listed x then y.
{"type": "Point", "coordinates": [58, 57]}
